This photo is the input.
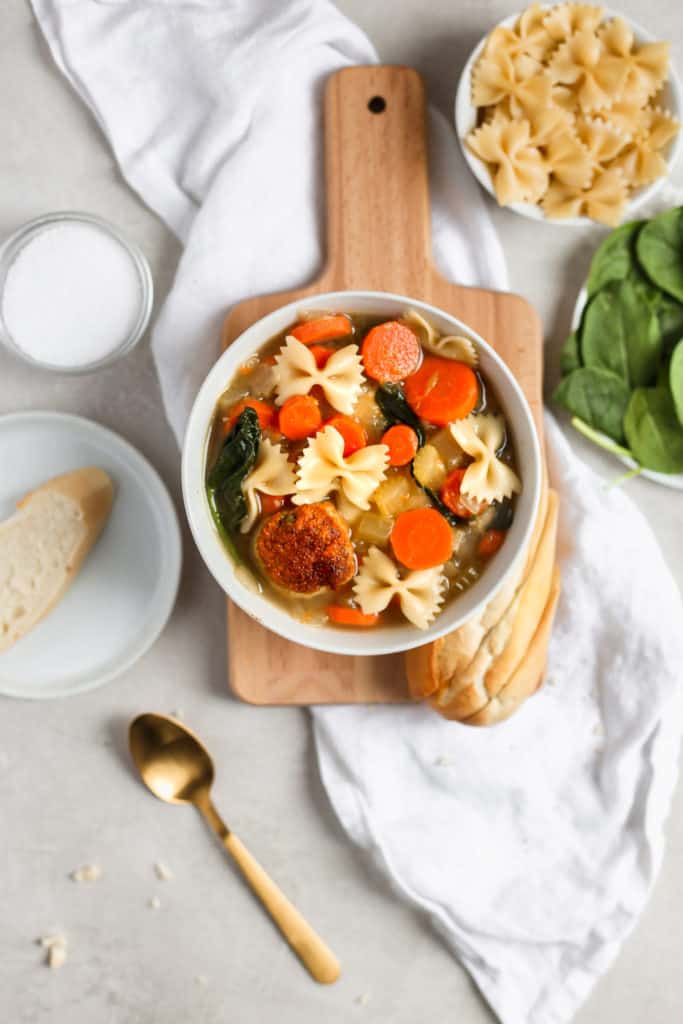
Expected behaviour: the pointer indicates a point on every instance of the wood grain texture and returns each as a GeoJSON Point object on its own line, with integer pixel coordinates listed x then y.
{"type": "Point", "coordinates": [378, 237]}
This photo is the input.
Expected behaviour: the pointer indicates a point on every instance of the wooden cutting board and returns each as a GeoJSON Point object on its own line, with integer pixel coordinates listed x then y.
{"type": "Point", "coordinates": [379, 238]}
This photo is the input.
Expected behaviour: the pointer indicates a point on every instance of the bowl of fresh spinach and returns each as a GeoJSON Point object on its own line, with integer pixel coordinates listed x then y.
{"type": "Point", "coordinates": [622, 364]}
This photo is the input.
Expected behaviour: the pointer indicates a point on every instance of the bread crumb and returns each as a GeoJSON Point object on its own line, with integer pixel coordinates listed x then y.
{"type": "Point", "coordinates": [56, 950]}
{"type": "Point", "coordinates": [86, 873]}
{"type": "Point", "coordinates": [363, 999]}
{"type": "Point", "coordinates": [163, 872]}
{"type": "Point", "coordinates": [443, 761]}
{"type": "Point", "coordinates": [598, 729]}
{"type": "Point", "coordinates": [201, 979]}
{"type": "Point", "coordinates": [154, 903]}
{"type": "Point", "coordinates": [178, 713]}
{"type": "Point", "coordinates": [56, 957]}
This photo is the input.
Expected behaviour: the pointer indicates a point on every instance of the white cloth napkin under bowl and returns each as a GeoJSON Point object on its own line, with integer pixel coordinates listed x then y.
{"type": "Point", "coordinates": [533, 846]}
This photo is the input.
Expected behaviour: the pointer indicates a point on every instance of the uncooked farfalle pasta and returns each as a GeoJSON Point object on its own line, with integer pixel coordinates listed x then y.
{"type": "Point", "coordinates": [570, 114]}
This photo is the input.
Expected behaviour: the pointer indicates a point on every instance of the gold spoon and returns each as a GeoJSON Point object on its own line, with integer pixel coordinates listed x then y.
{"type": "Point", "coordinates": [177, 768]}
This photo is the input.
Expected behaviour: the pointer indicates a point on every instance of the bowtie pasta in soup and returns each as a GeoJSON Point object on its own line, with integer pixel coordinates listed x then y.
{"type": "Point", "coordinates": [360, 470]}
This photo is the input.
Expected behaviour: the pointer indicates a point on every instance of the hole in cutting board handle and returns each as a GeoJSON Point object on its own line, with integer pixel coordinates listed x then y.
{"type": "Point", "coordinates": [377, 105]}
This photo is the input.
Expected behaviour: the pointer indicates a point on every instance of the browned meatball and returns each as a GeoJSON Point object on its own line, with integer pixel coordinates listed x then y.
{"type": "Point", "coordinates": [306, 549]}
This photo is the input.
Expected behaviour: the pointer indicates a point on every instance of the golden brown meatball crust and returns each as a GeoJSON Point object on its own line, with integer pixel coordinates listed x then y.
{"type": "Point", "coordinates": [306, 549]}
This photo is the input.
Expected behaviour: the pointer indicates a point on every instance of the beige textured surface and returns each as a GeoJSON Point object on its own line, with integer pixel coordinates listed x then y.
{"type": "Point", "coordinates": [67, 796]}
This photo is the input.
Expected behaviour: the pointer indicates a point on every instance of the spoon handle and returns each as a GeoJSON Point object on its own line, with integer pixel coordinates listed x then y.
{"type": "Point", "coordinates": [309, 947]}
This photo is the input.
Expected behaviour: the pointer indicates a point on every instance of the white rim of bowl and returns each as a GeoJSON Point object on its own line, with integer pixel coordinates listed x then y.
{"type": "Point", "coordinates": [465, 119]}
{"type": "Point", "coordinates": [216, 557]}
{"type": "Point", "coordinates": [172, 562]}
{"type": "Point", "coordinates": [12, 246]}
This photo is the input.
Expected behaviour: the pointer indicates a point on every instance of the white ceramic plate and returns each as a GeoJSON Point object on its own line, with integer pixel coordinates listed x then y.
{"type": "Point", "coordinates": [466, 120]}
{"type": "Point", "coordinates": [122, 597]}
{"type": "Point", "coordinates": [672, 480]}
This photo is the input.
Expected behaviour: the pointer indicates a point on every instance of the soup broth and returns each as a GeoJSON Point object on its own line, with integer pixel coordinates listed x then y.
{"type": "Point", "coordinates": [360, 470]}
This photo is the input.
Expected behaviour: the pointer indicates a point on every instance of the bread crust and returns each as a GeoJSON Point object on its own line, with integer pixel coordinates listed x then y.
{"type": "Point", "coordinates": [532, 600]}
{"type": "Point", "coordinates": [440, 669]}
{"type": "Point", "coordinates": [528, 676]}
{"type": "Point", "coordinates": [462, 673]}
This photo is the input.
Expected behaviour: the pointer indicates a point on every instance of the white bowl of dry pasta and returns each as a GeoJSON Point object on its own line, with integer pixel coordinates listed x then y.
{"type": "Point", "coordinates": [570, 113]}
{"type": "Point", "coordinates": [361, 473]}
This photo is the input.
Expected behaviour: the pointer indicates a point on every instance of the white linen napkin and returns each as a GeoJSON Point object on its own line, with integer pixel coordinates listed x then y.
{"type": "Point", "coordinates": [533, 846]}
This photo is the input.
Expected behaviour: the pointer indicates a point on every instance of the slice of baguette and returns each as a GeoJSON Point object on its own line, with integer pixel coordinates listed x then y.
{"type": "Point", "coordinates": [44, 544]}
{"type": "Point", "coordinates": [528, 675]}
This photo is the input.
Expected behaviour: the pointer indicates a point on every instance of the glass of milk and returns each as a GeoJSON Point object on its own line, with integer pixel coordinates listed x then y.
{"type": "Point", "coordinates": [75, 295]}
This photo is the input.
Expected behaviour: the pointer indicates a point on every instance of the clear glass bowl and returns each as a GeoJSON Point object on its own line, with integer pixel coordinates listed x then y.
{"type": "Point", "coordinates": [13, 245]}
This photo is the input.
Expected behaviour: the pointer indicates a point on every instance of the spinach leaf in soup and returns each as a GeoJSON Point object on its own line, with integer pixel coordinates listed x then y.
{"type": "Point", "coordinates": [660, 251]}
{"type": "Point", "coordinates": [596, 396]}
{"type": "Point", "coordinates": [451, 517]}
{"type": "Point", "coordinates": [653, 431]}
{"type": "Point", "coordinates": [614, 258]}
{"type": "Point", "coordinates": [235, 461]}
{"type": "Point", "coordinates": [395, 409]}
{"type": "Point", "coordinates": [570, 356]}
{"type": "Point", "coordinates": [676, 380]}
{"type": "Point", "coordinates": [621, 334]}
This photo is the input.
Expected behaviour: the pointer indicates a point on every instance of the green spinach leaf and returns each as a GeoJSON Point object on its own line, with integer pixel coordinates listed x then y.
{"type": "Point", "coordinates": [615, 258]}
{"type": "Point", "coordinates": [621, 334]}
{"type": "Point", "coordinates": [596, 396]}
{"type": "Point", "coordinates": [449, 516]}
{"type": "Point", "coordinates": [676, 380]}
{"type": "Point", "coordinates": [570, 356]}
{"type": "Point", "coordinates": [235, 460]}
{"type": "Point", "coordinates": [503, 515]}
{"type": "Point", "coordinates": [670, 315]}
{"type": "Point", "coordinates": [653, 432]}
{"type": "Point", "coordinates": [659, 247]}
{"type": "Point", "coordinates": [647, 292]}
{"type": "Point", "coordinates": [392, 401]}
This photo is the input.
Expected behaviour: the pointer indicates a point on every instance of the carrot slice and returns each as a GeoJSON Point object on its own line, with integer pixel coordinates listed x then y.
{"type": "Point", "coordinates": [300, 417]}
{"type": "Point", "coordinates": [390, 352]}
{"type": "Point", "coordinates": [453, 499]}
{"type": "Point", "coordinates": [442, 390]}
{"type": "Point", "coordinates": [351, 430]}
{"type": "Point", "coordinates": [490, 543]}
{"type": "Point", "coordinates": [321, 355]}
{"type": "Point", "coordinates": [342, 615]}
{"type": "Point", "coordinates": [422, 538]}
{"type": "Point", "coordinates": [324, 329]}
{"type": "Point", "coordinates": [402, 442]}
{"type": "Point", "coordinates": [266, 414]}
{"type": "Point", "coordinates": [270, 503]}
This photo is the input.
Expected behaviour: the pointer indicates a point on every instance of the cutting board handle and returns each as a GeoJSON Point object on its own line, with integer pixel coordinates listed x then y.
{"type": "Point", "coordinates": [378, 213]}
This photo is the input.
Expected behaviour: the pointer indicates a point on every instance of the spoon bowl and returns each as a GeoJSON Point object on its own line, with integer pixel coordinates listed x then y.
{"type": "Point", "coordinates": [173, 763]}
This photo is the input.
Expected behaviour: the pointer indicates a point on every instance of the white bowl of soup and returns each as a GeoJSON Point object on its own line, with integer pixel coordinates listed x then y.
{"type": "Point", "coordinates": [361, 472]}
